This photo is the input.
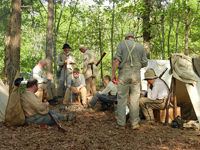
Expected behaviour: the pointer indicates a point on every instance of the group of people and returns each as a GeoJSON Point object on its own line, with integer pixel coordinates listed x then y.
{"type": "Point", "coordinates": [130, 57]}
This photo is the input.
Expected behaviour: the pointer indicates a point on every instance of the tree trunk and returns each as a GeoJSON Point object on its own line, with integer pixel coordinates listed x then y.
{"type": "Point", "coordinates": [15, 34]}
{"type": "Point", "coordinates": [55, 38]}
{"type": "Point", "coordinates": [7, 52]}
{"type": "Point", "coordinates": [177, 28]}
{"type": "Point", "coordinates": [163, 36]}
{"type": "Point", "coordinates": [72, 15]}
{"type": "Point", "coordinates": [49, 40]}
{"type": "Point", "coordinates": [146, 29]}
{"type": "Point", "coordinates": [112, 48]}
{"type": "Point", "coordinates": [186, 30]}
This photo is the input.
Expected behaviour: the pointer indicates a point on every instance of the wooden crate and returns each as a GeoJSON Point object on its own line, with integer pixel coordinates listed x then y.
{"type": "Point", "coordinates": [160, 115]}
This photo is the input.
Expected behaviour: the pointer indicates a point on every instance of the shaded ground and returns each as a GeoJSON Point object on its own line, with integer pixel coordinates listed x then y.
{"type": "Point", "coordinates": [96, 130]}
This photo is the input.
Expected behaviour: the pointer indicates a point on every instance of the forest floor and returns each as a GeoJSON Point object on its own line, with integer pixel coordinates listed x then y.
{"type": "Point", "coordinates": [94, 129]}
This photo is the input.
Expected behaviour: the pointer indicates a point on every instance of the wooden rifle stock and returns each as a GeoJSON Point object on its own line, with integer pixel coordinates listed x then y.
{"type": "Point", "coordinates": [59, 127]}
{"type": "Point", "coordinates": [101, 58]}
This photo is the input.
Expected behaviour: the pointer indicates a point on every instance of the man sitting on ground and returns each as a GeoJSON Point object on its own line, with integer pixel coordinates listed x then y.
{"type": "Point", "coordinates": [35, 110]}
{"type": "Point", "coordinates": [38, 74]}
{"type": "Point", "coordinates": [156, 96]}
{"type": "Point", "coordinates": [107, 96]}
{"type": "Point", "coordinates": [76, 83]}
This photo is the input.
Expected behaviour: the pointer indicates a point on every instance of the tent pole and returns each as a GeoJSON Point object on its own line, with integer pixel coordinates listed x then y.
{"type": "Point", "coordinates": [175, 100]}
{"type": "Point", "coordinates": [168, 102]}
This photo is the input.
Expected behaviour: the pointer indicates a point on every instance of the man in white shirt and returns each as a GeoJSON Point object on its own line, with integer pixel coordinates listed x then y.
{"type": "Point", "coordinates": [39, 75]}
{"type": "Point", "coordinates": [156, 96]}
{"type": "Point", "coordinates": [107, 96]}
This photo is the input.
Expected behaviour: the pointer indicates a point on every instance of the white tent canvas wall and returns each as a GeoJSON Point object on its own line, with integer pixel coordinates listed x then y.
{"type": "Point", "coordinates": [184, 92]}
{"type": "Point", "coordinates": [3, 100]}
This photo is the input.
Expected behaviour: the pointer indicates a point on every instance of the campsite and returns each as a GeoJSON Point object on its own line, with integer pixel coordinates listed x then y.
{"type": "Point", "coordinates": [44, 42]}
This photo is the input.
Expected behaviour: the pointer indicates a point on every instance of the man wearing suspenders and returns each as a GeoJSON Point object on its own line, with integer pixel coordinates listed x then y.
{"type": "Point", "coordinates": [130, 57]}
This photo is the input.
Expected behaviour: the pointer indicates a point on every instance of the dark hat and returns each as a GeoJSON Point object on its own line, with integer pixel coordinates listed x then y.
{"type": "Point", "coordinates": [66, 46]}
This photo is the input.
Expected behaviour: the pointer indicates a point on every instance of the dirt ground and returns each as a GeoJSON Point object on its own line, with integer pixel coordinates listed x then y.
{"type": "Point", "coordinates": [96, 130]}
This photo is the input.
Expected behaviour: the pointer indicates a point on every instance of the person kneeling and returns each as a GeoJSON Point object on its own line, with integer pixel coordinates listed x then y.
{"type": "Point", "coordinates": [76, 83]}
{"type": "Point", "coordinates": [107, 96]}
{"type": "Point", "coordinates": [35, 110]}
{"type": "Point", "coordinates": [156, 96]}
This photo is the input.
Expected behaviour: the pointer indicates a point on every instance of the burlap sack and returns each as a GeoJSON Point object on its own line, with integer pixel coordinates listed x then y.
{"type": "Point", "coordinates": [14, 114]}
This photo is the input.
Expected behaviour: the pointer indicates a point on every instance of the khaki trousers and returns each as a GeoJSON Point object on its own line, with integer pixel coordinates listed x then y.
{"type": "Point", "coordinates": [147, 106]}
{"type": "Point", "coordinates": [91, 85]}
{"type": "Point", "coordinates": [128, 83]}
{"type": "Point", "coordinates": [82, 91]}
{"type": "Point", "coordinates": [50, 91]}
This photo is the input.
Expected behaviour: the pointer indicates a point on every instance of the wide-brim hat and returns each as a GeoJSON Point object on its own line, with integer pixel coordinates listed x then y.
{"type": "Point", "coordinates": [149, 74]}
{"type": "Point", "coordinates": [66, 46]}
{"type": "Point", "coordinates": [128, 35]}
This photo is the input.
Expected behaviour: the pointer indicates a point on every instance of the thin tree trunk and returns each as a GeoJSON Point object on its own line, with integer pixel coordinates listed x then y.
{"type": "Point", "coordinates": [187, 26]}
{"type": "Point", "coordinates": [169, 33]}
{"type": "Point", "coordinates": [177, 28]}
{"type": "Point", "coordinates": [72, 16]}
{"type": "Point", "coordinates": [49, 40]}
{"type": "Point", "coordinates": [112, 48]}
{"type": "Point", "coordinates": [146, 29]}
{"type": "Point", "coordinates": [186, 29]}
{"type": "Point", "coordinates": [163, 37]}
{"type": "Point", "coordinates": [55, 38]}
{"type": "Point", "coordinates": [15, 34]}
{"type": "Point", "coordinates": [100, 46]}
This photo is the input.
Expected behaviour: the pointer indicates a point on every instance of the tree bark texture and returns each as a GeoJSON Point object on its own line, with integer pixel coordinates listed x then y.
{"type": "Point", "coordinates": [15, 35]}
{"type": "Point", "coordinates": [146, 29]}
{"type": "Point", "coordinates": [186, 30]}
{"type": "Point", "coordinates": [49, 40]}
{"type": "Point", "coordinates": [7, 52]}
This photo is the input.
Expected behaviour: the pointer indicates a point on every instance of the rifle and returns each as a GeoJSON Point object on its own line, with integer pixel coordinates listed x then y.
{"type": "Point", "coordinates": [59, 127]}
{"type": "Point", "coordinates": [100, 59]}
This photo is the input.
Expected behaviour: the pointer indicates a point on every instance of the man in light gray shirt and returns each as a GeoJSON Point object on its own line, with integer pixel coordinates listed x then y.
{"type": "Point", "coordinates": [39, 75]}
{"type": "Point", "coordinates": [107, 96]}
{"type": "Point", "coordinates": [76, 83]}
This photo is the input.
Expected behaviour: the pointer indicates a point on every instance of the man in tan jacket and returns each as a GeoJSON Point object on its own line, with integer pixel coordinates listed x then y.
{"type": "Point", "coordinates": [66, 62]}
{"type": "Point", "coordinates": [89, 69]}
{"type": "Point", "coordinates": [35, 110]}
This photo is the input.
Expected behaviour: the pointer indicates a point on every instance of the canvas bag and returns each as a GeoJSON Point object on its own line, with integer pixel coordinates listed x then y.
{"type": "Point", "coordinates": [14, 114]}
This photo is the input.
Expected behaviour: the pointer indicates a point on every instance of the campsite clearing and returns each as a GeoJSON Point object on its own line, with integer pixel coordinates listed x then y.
{"type": "Point", "coordinates": [96, 130]}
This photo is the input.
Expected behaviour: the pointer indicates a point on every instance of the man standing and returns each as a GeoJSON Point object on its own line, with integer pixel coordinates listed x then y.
{"type": "Point", "coordinates": [66, 62]}
{"type": "Point", "coordinates": [35, 110]}
{"type": "Point", "coordinates": [45, 83]}
{"type": "Point", "coordinates": [130, 57]}
{"type": "Point", "coordinates": [107, 96]}
{"type": "Point", "coordinates": [156, 96]}
{"type": "Point", "coordinates": [89, 69]}
{"type": "Point", "coordinates": [75, 84]}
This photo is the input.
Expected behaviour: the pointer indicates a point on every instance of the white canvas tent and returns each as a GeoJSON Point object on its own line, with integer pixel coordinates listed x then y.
{"type": "Point", "coordinates": [184, 92]}
{"type": "Point", "coordinates": [3, 100]}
